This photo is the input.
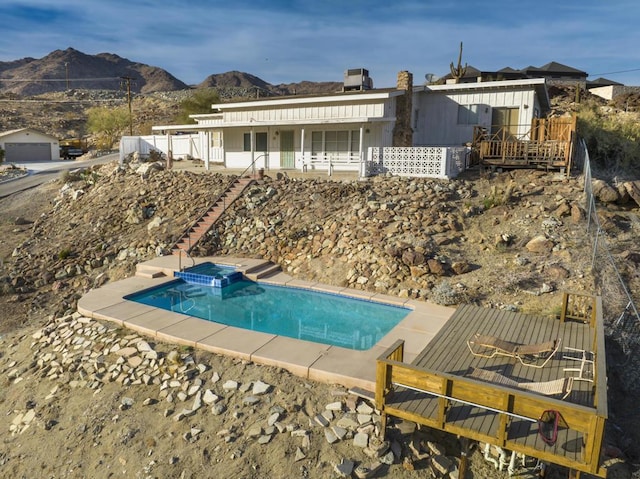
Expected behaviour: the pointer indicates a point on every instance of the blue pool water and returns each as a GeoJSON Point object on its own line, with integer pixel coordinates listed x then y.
{"type": "Point", "coordinates": [296, 313]}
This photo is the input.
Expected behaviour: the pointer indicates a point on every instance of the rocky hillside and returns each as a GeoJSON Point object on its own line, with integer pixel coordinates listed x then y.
{"type": "Point", "coordinates": [509, 240]}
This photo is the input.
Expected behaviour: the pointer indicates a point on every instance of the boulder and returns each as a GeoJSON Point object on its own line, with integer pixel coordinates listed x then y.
{"type": "Point", "coordinates": [540, 244]}
{"type": "Point", "coordinates": [577, 213]}
{"type": "Point", "coordinates": [604, 192]}
{"type": "Point", "coordinates": [436, 267]}
{"type": "Point", "coordinates": [633, 189]}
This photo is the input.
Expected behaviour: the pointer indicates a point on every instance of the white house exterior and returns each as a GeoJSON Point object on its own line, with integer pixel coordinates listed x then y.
{"type": "Point", "coordinates": [296, 132]}
{"type": "Point", "coordinates": [27, 144]}
{"type": "Point", "coordinates": [337, 131]}
{"type": "Point", "coordinates": [445, 115]}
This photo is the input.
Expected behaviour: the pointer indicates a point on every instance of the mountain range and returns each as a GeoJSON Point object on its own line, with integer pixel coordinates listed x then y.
{"type": "Point", "coordinates": [67, 69]}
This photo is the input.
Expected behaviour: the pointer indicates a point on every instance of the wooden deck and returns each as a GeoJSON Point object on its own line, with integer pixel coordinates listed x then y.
{"type": "Point", "coordinates": [435, 389]}
{"type": "Point", "coordinates": [548, 144]}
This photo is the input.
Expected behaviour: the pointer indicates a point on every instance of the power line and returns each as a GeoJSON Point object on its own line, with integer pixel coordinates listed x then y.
{"type": "Point", "coordinates": [120, 100]}
{"type": "Point", "coordinates": [620, 71]}
{"type": "Point", "coordinates": [17, 80]}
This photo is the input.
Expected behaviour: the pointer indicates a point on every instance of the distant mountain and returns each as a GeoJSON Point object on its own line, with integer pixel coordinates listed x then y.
{"type": "Point", "coordinates": [71, 69]}
{"type": "Point", "coordinates": [240, 84]}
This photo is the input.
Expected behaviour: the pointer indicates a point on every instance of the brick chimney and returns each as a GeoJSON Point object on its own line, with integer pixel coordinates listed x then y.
{"type": "Point", "coordinates": [402, 131]}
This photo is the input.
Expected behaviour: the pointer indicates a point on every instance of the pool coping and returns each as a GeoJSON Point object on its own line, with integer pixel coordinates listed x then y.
{"type": "Point", "coordinates": [307, 359]}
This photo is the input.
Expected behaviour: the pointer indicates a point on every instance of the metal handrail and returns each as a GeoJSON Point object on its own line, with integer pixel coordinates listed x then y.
{"type": "Point", "coordinates": [218, 198]}
{"type": "Point", "coordinates": [180, 258]}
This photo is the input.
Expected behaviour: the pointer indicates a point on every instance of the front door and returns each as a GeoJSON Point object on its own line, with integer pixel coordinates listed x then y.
{"type": "Point", "coordinates": [287, 154]}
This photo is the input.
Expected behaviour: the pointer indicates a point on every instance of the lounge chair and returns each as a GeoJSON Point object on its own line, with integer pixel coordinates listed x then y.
{"type": "Point", "coordinates": [555, 387]}
{"type": "Point", "coordinates": [528, 354]}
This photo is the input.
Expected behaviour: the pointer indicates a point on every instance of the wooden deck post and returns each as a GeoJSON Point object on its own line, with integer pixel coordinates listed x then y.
{"type": "Point", "coordinates": [464, 451]}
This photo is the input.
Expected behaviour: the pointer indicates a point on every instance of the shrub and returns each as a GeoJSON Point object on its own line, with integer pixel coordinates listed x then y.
{"type": "Point", "coordinates": [612, 140]}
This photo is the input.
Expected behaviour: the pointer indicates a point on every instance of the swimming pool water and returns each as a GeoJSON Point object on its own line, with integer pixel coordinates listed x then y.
{"type": "Point", "coordinates": [297, 313]}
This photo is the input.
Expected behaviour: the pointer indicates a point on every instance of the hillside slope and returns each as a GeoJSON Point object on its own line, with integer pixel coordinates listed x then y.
{"type": "Point", "coordinates": [466, 240]}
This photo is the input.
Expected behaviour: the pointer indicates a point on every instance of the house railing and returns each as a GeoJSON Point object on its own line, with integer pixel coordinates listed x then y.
{"type": "Point", "coordinates": [331, 162]}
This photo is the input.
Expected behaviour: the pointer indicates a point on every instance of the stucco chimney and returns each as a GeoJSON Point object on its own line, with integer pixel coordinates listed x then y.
{"type": "Point", "coordinates": [402, 132]}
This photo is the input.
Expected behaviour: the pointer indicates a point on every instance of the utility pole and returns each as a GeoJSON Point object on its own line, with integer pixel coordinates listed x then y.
{"type": "Point", "coordinates": [127, 81]}
{"type": "Point", "coordinates": [66, 70]}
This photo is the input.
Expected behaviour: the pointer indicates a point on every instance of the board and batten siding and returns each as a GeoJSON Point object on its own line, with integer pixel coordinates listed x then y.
{"type": "Point", "coordinates": [436, 114]}
{"type": "Point", "coordinates": [306, 113]}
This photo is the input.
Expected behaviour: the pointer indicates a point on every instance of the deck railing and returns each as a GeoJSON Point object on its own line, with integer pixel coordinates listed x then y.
{"type": "Point", "coordinates": [585, 425]}
{"type": "Point", "coordinates": [549, 143]}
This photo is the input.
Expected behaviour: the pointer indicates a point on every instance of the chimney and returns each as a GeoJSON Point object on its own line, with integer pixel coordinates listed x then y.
{"type": "Point", "coordinates": [402, 132]}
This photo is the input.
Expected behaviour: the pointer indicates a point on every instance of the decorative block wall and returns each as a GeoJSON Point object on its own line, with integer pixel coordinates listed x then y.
{"type": "Point", "coordinates": [424, 161]}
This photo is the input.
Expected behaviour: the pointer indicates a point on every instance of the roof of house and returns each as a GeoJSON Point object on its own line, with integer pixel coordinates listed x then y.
{"type": "Point", "coordinates": [602, 82]}
{"type": "Point", "coordinates": [20, 130]}
{"type": "Point", "coordinates": [554, 67]}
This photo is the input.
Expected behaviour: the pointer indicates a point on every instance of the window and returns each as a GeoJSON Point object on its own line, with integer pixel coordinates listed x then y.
{"type": "Point", "coordinates": [336, 141]}
{"type": "Point", "coordinates": [261, 141]}
{"type": "Point", "coordinates": [340, 141]}
{"type": "Point", "coordinates": [216, 139]}
{"type": "Point", "coordinates": [467, 114]}
{"type": "Point", "coordinates": [316, 142]}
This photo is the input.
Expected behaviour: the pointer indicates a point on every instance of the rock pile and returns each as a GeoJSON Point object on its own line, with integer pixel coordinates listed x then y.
{"type": "Point", "coordinates": [75, 352]}
{"type": "Point", "coordinates": [408, 237]}
{"type": "Point", "coordinates": [102, 223]}
{"type": "Point", "coordinates": [405, 236]}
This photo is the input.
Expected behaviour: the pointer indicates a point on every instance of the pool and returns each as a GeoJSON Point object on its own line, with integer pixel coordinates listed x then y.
{"type": "Point", "coordinates": [293, 312]}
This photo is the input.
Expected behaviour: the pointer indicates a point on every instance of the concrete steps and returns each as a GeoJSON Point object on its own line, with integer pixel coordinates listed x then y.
{"type": "Point", "coordinates": [148, 272]}
{"type": "Point", "coordinates": [263, 270]}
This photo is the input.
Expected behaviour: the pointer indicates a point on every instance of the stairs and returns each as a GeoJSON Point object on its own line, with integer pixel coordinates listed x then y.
{"type": "Point", "coordinates": [191, 237]}
{"type": "Point", "coordinates": [262, 270]}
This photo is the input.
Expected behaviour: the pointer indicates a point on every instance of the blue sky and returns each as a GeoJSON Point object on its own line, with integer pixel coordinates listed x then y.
{"type": "Point", "coordinates": [283, 41]}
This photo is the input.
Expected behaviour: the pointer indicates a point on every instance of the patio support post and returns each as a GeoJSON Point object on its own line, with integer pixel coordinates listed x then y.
{"type": "Point", "coordinates": [360, 152]}
{"type": "Point", "coordinates": [303, 163]}
{"type": "Point", "coordinates": [252, 136]}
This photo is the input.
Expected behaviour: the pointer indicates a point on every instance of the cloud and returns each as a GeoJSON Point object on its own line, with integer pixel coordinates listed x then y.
{"type": "Point", "coordinates": [284, 41]}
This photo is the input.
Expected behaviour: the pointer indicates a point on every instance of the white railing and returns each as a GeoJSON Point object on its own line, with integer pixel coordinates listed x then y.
{"type": "Point", "coordinates": [331, 162]}
{"type": "Point", "coordinates": [421, 161]}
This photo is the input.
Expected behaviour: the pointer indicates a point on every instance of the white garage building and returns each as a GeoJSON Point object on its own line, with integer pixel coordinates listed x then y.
{"type": "Point", "coordinates": [27, 144]}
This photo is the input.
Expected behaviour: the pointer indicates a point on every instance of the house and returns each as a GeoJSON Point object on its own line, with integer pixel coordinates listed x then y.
{"type": "Point", "coordinates": [27, 144]}
{"type": "Point", "coordinates": [299, 132]}
{"type": "Point", "coordinates": [556, 72]}
{"type": "Point", "coordinates": [446, 115]}
{"type": "Point", "coordinates": [473, 75]}
{"type": "Point", "coordinates": [354, 129]}
{"type": "Point", "coordinates": [607, 89]}
{"type": "Point", "coordinates": [553, 72]}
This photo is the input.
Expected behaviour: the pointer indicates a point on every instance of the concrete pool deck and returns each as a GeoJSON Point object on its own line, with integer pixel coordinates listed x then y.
{"type": "Point", "coordinates": [315, 361]}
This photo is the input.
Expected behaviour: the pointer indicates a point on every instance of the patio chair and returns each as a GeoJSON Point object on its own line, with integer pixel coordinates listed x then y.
{"type": "Point", "coordinates": [555, 387]}
{"type": "Point", "coordinates": [528, 354]}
